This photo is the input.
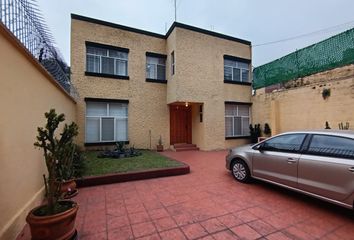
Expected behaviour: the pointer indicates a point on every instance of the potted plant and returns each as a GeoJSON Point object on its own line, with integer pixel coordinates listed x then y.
{"type": "Point", "coordinates": [71, 171]}
{"type": "Point", "coordinates": [267, 131]}
{"type": "Point", "coordinates": [120, 149]}
{"type": "Point", "coordinates": [159, 146]}
{"type": "Point", "coordinates": [255, 132]}
{"type": "Point", "coordinates": [55, 219]}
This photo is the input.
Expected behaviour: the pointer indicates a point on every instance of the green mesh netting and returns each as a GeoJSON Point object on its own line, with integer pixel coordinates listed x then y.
{"type": "Point", "coordinates": [333, 52]}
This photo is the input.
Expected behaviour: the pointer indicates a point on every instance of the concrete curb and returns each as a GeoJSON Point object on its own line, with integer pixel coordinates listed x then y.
{"type": "Point", "coordinates": [132, 176]}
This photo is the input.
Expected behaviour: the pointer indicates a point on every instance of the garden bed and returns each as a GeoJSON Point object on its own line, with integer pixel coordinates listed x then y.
{"type": "Point", "coordinates": [110, 170]}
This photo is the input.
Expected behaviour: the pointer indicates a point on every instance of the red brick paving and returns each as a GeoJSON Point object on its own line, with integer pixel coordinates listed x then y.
{"type": "Point", "coordinates": [205, 204]}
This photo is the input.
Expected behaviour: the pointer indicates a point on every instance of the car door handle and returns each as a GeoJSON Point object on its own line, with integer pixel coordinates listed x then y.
{"type": "Point", "coordinates": [351, 169]}
{"type": "Point", "coordinates": [291, 160]}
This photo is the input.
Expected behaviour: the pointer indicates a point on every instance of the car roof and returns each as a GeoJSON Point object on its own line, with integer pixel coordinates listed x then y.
{"type": "Point", "coordinates": [341, 133]}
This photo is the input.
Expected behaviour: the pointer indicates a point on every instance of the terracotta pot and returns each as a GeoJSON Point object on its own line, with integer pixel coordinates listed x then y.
{"type": "Point", "coordinates": [159, 148]}
{"type": "Point", "coordinates": [60, 226]}
{"type": "Point", "coordinates": [69, 184]}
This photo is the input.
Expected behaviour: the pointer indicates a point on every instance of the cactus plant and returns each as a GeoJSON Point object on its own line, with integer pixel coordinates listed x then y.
{"type": "Point", "coordinates": [58, 154]}
{"type": "Point", "coordinates": [343, 127]}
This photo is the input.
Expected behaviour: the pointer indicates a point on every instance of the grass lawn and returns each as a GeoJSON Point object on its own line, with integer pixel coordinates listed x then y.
{"type": "Point", "coordinates": [148, 160]}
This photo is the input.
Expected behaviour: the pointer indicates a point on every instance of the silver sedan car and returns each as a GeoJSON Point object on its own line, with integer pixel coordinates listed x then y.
{"type": "Point", "coordinates": [317, 163]}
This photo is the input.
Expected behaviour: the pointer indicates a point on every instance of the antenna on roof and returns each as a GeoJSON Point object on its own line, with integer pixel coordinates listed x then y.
{"type": "Point", "coordinates": [175, 3]}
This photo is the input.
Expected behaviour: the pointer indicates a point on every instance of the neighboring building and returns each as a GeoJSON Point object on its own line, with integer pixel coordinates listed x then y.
{"type": "Point", "coordinates": [188, 86]}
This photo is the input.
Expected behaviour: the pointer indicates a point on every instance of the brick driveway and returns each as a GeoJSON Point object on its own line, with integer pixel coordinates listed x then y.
{"type": "Point", "coordinates": [206, 204]}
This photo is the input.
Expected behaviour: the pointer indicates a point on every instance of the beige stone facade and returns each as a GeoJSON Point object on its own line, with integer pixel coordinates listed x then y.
{"type": "Point", "coordinates": [198, 80]}
{"type": "Point", "coordinates": [27, 92]}
{"type": "Point", "coordinates": [301, 106]}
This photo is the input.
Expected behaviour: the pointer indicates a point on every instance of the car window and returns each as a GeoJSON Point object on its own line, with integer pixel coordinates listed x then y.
{"type": "Point", "coordinates": [332, 146]}
{"type": "Point", "coordinates": [288, 143]}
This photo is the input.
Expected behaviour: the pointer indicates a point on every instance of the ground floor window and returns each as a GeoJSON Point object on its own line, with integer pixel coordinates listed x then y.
{"type": "Point", "coordinates": [106, 122]}
{"type": "Point", "coordinates": [237, 120]}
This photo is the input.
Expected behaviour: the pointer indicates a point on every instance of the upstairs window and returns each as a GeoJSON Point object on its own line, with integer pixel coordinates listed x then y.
{"type": "Point", "coordinates": [237, 120]}
{"type": "Point", "coordinates": [155, 66]}
{"type": "Point", "coordinates": [236, 69]}
{"type": "Point", "coordinates": [106, 60]}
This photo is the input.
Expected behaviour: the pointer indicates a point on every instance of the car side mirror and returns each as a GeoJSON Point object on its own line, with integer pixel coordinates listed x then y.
{"type": "Point", "coordinates": [259, 147]}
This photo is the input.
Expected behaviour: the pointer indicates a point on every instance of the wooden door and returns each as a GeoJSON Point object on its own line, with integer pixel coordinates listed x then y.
{"type": "Point", "coordinates": [180, 124]}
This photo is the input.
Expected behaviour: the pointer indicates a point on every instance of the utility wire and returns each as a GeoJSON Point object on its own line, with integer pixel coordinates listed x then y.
{"type": "Point", "coordinates": [304, 35]}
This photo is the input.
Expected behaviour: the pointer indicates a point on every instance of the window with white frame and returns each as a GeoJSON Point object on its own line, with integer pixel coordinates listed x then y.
{"type": "Point", "coordinates": [106, 61]}
{"type": "Point", "coordinates": [237, 71]}
{"type": "Point", "coordinates": [106, 122]}
{"type": "Point", "coordinates": [237, 120]}
{"type": "Point", "coordinates": [156, 68]}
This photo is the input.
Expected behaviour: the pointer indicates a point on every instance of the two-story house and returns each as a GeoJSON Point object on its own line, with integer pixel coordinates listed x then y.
{"type": "Point", "coordinates": [188, 86]}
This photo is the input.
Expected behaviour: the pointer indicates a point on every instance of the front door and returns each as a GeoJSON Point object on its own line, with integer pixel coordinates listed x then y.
{"type": "Point", "coordinates": [180, 124]}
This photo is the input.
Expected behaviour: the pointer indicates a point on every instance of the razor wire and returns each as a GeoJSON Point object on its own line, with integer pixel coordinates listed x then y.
{"type": "Point", "coordinates": [24, 19]}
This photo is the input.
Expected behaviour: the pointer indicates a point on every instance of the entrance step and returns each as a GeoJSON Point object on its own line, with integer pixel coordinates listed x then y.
{"type": "Point", "coordinates": [178, 147]}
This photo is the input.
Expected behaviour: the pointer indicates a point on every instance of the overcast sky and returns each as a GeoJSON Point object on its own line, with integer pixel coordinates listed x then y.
{"type": "Point", "coordinates": [258, 21]}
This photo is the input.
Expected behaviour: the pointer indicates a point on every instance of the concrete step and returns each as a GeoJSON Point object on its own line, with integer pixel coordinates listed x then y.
{"type": "Point", "coordinates": [183, 145]}
{"type": "Point", "coordinates": [180, 149]}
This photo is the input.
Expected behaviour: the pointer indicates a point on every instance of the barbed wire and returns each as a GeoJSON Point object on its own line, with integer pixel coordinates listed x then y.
{"type": "Point", "coordinates": [24, 19]}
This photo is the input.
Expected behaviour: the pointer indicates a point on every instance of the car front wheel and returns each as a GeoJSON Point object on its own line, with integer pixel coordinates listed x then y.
{"type": "Point", "coordinates": [240, 171]}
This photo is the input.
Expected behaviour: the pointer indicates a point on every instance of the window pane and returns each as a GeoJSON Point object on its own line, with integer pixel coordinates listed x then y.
{"type": "Point", "coordinates": [228, 126]}
{"type": "Point", "coordinates": [172, 63]}
{"type": "Point", "coordinates": [96, 109]}
{"type": "Point", "coordinates": [229, 109]}
{"type": "Point", "coordinates": [117, 54]}
{"type": "Point", "coordinates": [96, 51]}
{"type": "Point", "coordinates": [237, 74]}
{"type": "Point", "coordinates": [227, 73]}
{"type": "Point", "coordinates": [243, 110]}
{"type": "Point", "coordinates": [237, 126]}
{"type": "Point", "coordinates": [118, 110]}
{"type": "Point", "coordinates": [92, 129]}
{"type": "Point", "coordinates": [245, 75]}
{"type": "Point", "coordinates": [122, 129]}
{"type": "Point", "coordinates": [161, 61]}
{"type": "Point", "coordinates": [107, 129]}
{"type": "Point", "coordinates": [107, 65]}
{"type": "Point", "coordinates": [289, 142]}
{"type": "Point", "coordinates": [242, 65]}
{"type": "Point", "coordinates": [245, 126]}
{"type": "Point", "coordinates": [150, 71]}
{"type": "Point", "coordinates": [332, 146]}
{"type": "Point", "coordinates": [121, 67]}
{"type": "Point", "coordinates": [93, 63]}
{"type": "Point", "coordinates": [152, 60]}
{"type": "Point", "coordinates": [161, 72]}
{"type": "Point", "coordinates": [230, 63]}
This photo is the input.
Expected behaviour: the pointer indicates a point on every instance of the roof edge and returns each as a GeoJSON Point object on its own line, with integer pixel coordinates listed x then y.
{"type": "Point", "coordinates": [152, 34]}
{"type": "Point", "coordinates": [206, 32]}
{"type": "Point", "coordinates": [114, 25]}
